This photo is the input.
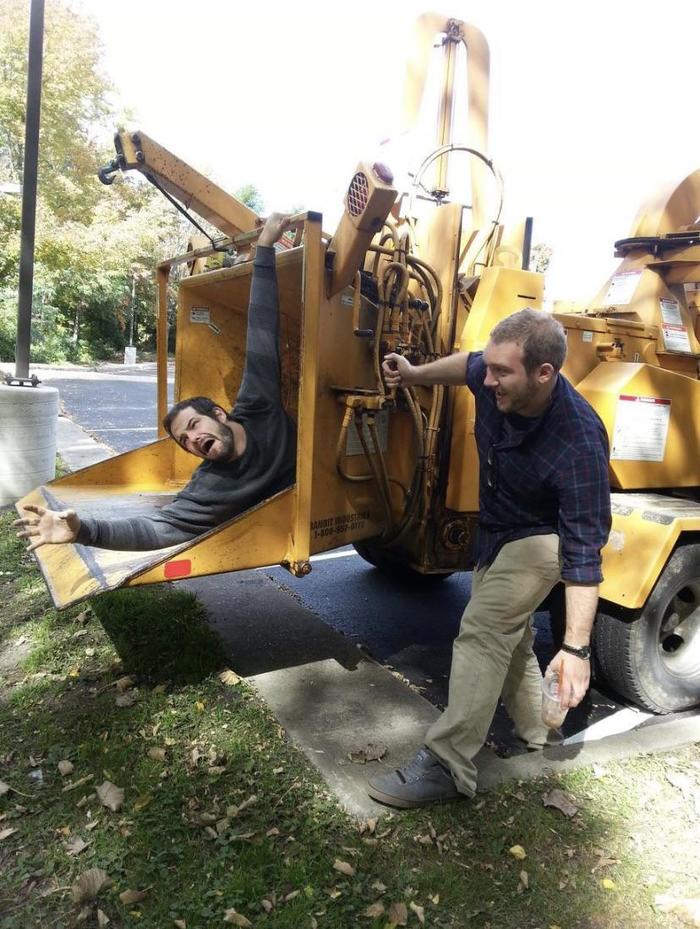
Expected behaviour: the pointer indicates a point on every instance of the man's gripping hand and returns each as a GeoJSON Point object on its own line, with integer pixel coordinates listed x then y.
{"type": "Point", "coordinates": [47, 527]}
{"type": "Point", "coordinates": [275, 225]}
{"type": "Point", "coordinates": [398, 371]}
{"type": "Point", "coordinates": [574, 678]}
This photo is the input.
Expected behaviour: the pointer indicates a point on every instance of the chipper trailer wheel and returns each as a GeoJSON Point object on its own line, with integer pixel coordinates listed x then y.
{"type": "Point", "coordinates": [393, 567]}
{"type": "Point", "coordinates": [652, 656]}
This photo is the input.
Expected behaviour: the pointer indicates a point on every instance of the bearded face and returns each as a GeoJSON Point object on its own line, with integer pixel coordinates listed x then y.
{"type": "Point", "coordinates": [207, 437]}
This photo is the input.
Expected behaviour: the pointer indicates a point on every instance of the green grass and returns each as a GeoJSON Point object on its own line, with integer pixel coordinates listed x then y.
{"type": "Point", "coordinates": [180, 835]}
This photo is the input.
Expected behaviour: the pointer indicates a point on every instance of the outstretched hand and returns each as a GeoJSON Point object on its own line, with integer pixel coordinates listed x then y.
{"type": "Point", "coordinates": [47, 527]}
{"type": "Point", "coordinates": [275, 225]}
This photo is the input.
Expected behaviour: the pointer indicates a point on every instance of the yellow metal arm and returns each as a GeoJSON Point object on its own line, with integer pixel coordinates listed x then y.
{"type": "Point", "coordinates": [135, 150]}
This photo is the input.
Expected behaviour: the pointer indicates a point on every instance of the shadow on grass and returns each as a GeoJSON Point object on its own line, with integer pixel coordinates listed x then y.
{"type": "Point", "coordinates": [160, 634]}
{"type": "Point", "coordinates": [166, 848]}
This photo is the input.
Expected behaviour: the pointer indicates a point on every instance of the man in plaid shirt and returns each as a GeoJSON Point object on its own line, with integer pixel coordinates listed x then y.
{"type": "Point", "coordinates": [544, 515]}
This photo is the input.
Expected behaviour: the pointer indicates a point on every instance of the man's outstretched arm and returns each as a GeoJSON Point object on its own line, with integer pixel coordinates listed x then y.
{"type": "Point", "coordinates": [42, 526]}
{"type": "Point", "coordinates": [260, 385]}
{"type": "Point", "coordinates": [450, 370]}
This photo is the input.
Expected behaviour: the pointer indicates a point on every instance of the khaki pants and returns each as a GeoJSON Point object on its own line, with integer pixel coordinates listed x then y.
{"type": "Point", "coordinates": [492, 656]}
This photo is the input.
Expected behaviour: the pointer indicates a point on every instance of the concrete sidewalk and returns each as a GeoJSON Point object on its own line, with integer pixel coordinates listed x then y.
{"type": "Point", "coordinates": [336, 702]}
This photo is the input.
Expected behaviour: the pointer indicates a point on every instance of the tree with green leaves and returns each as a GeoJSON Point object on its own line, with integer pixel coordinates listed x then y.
{"type": "Point", "coordinates": [89, 238]}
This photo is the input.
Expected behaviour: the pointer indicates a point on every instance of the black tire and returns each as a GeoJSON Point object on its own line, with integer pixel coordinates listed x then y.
{"type": "Point", "coordinates": [652, 657]}
{"type": "Point", "coordinates": [393, 567]}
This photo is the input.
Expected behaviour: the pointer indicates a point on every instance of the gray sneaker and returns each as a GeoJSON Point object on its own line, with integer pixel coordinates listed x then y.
{"type": "Point", "coordinates": [422, 780]}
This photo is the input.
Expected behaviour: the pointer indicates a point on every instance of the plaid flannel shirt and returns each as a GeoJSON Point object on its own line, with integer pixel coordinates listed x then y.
{"type": "Point", "coordinates": [542, 475]}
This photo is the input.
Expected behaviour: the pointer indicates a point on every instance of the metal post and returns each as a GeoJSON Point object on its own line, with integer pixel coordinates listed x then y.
{"type": "Point", "coordinates": [133, 306]}
{"type": "Point", "coordinates": [527, 243]}
{"type": "Point", "coordinates": [29, 184]}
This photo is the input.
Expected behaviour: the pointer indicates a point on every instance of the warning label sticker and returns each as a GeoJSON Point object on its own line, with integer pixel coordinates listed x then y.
{"type": "Point", "coordinates": [199, 314]}
{"type": "Point", "coordinates": [641, 428]}
{"type": "Point", "coordinates": [674, 333]}
{"type": "Point", "coordinates": [354, 445]}
{"type": "Point", "coordinates": [622, 288]}
{"type": "Point", "coordinates": [676, 338]}
{"type": "Point", "coordinates": [670, 312]}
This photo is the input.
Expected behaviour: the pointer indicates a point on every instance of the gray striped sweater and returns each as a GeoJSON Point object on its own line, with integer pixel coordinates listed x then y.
{"type": "Point", "coordinates": [218, 491]}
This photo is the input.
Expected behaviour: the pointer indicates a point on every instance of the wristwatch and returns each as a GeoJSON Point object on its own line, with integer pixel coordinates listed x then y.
{"type": "Point", "coordinates": [584, 651]}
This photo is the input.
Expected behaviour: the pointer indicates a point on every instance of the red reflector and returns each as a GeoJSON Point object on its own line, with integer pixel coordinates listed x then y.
{"type": "Point", "coordinates": [175, 569]}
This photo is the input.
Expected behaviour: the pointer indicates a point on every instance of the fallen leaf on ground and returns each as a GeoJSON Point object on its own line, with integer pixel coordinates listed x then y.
{"type": "Point", "coordinates": [373, 751]}
{"type": "Point", "coordinates": [229, 677]}
{"type": "Point", "coordinates": [124, 683]}
{"type": "Point", "coordinates": [65, 767]}
{"type": "Point", "coordinates": [398, 914]}
{"type": "Point", "coordinates": [608, 884]}
{"type": "Point", "coordinates": [89, 884]}
{"type": "Point", "coordinates": [231, 916]}
{"type": "Point", "coordinates": [6, 833]}
{"type": "Point", "coordinates": [419, 911]}
{"type": "Point", "coordinates": [157, 754]}
{"type": "Point", "coordinates": [374, 910]}
{"type": "Point", "coordinates": [4, 788]}
{"type": "Point", "coordinates": [180, 923]}
{"type": "Point", "coordinates": [560, 801]}
{"type": "Point", "coordinates": [379, 887]}
{"type": "Point", "coordinates": [142, 802]}
{"type": "Point", "coordinates": [110, 796]}
{"type": "Point", "coordinates": [524, 880]}
{"type": "Point", "coordinates": [517, 851]}
{"type": "Point", "coordinates": [234, 810]}
{"type": "Point", "coordinates": [199, 707]}
{"type": "Point", "coordinates": [434, 899]}
{"type": "Point", "coordinates": [128, 698]}
{"type": "Point", "coordinates": [79, 783]}
{"type": "Point", "coordinates": [344, 867]}
{"type": "Point", "coordinates": [128, 897]}
{"type": "Point", "coordinates": [76, 846]}
{"type": "Point", "coordinates": [686, 908]}
{"type": "Point", "coordinates": [604, 862]}
{"type": "Point", "coordinates": [267, 905]}
{"type": "Point", "coordinates": [102, 919]}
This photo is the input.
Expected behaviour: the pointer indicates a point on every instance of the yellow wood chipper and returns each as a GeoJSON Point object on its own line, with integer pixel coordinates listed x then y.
{"type": "Point", "coordinates": [396, 473]}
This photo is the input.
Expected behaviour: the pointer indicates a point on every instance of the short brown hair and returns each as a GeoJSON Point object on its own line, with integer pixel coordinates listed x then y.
{"type": "Point", "coordinates": [203, 405]}
{"type": "Point", "coordinates": [541, 337]}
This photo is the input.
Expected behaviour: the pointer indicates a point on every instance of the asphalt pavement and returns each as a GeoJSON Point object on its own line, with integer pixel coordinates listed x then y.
{"type": "Point", "coordinates": [344, 657]}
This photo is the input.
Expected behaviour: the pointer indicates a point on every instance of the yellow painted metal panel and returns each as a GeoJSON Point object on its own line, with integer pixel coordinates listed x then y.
{"type": "Point", "coordinates": [501, 291]}
{"type": "Point", "coordinates": [645, 530]}
{"type": "Point", "coordinates": [641, 430]}
{"type": "Point", "coordinates": [260, 536]}
{"type": "Point", "coordinates": [74, 572]}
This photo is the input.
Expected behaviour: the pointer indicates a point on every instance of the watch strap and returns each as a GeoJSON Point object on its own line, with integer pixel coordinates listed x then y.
{"type": "Point", "coordinates": [584, 651]}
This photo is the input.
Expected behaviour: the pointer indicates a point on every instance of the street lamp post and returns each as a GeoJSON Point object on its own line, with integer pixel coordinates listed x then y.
{"type": "Point", "coordinates": [29, 185]}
